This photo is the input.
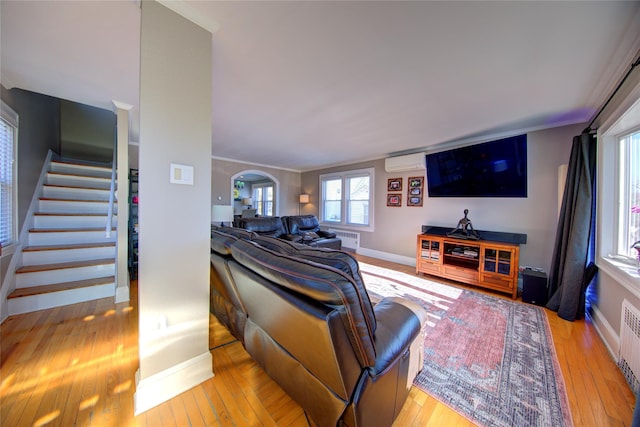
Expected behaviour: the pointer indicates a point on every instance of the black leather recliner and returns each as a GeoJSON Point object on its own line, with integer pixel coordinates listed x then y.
{"type": "Point", "coordinates": [268, 226]}
{"type": "Point", "coordinates": [308, 227]}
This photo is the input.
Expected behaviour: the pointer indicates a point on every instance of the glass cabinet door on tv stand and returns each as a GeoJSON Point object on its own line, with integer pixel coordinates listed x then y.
{"type": "Point", "coordinates": [430, 250]}
{"type": "Point", "coordinates": [497, 261]}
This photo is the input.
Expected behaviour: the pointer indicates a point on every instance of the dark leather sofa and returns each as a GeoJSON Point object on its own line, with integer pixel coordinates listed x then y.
{"type": "Point", "coordinates": [305, 316]}
{"type": "Point", "coordinates": [268, 226]}
{"type": "Point", "coordinates": [300, 228]}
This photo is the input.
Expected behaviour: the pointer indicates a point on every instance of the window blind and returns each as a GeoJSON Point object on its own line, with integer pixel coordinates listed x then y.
{"type": "Point", "coordinates": [8, 133]}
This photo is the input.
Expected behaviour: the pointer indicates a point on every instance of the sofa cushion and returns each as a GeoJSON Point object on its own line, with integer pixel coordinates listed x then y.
{"type": "Point", "coordinates": [326, 234]}
{"type": "Point", "coordinates": [346, 263]}
{"type": "Point", "coordinates": [333, 258]}
{"type": "Point", "coordinates": [220, 242]}
{"type": "Point", "coordinates": [225, 303]}
{"type": "Point", "coordinates": [302, 223]}
{"type": "Point", "coordinates": [309, 235]}
{"type": "Point", "coordinates": [282, 246]}
{"type": "Point", "coordinates": [239, 233]}
{"type": "Point", "coordinates": [320, 282]}
{"type": "Point", "coordinates": [270, 226]}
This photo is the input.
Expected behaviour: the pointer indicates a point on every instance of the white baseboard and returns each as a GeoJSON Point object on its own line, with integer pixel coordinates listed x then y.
{"type": "Point", "coordinates": [400, 259]}
{"type": "Point", "coordinates": [607, 334]}
{"type": "Point", "coordinates": [165, 385]}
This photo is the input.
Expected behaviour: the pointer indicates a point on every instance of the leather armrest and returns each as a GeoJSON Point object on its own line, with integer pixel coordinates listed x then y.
{"type": "Point", "coordinates": [326, 234]}
{"type": "Point", "coordinates": [291, 237]}
{"type": "Point", "coordinates": [399, 321]}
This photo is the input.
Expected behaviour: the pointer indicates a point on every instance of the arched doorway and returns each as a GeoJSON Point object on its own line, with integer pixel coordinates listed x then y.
{"type": "Point", "coordinates": [261, 187]}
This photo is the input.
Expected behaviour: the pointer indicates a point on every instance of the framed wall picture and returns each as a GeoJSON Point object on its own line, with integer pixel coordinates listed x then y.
{"type": "Point", "coordinates": [394, 184]}
{"type": "Point", "coordinates": [415, 190]}
{"type": "Point", "coordinates": [416, 181]}
{"type": "Point", "coordinates": [394, 200]}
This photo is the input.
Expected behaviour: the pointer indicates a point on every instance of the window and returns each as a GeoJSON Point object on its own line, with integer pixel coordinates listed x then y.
{"type": "Point", "coordinates": [8, 146]}
{"type": "Point", "coordinates": [263, 199]}
{"type": "Point", "coordinates": [629, 194]}
{"type": "Point", "coordinates": [618, 197]}
{"type": "Point", "coordinates": [347, 198]}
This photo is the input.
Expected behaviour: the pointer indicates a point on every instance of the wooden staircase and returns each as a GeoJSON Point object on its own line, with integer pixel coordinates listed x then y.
{"type": "Point", "coordinates": [67, 257]}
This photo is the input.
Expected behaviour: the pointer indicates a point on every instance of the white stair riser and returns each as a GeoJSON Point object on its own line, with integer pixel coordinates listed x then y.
{"type": "Point", "coordinates": [69, 237]}
{"type": "Point", "coordinates": [77, 169]}
{"type": "Point", "coordinates": [45, 221]}
{"type": "Point", "coordinates": [57, 299]}
{"type": "Point", "coordinates": [27, 280]}
{"type": "Point", "coordinates": [75, 193]}
{"type": "Point", "coordinates": [78, 181]}
{"type": "Point", "coordinates": [56, 206]}
{"type": "Point", "coordinates": [67, 255]}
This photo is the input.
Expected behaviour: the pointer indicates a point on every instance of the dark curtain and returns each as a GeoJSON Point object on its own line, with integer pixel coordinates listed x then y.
{"type": "Point", "coordinates": [572, 268]}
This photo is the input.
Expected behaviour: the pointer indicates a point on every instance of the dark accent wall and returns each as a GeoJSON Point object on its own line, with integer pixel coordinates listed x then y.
{"type": "Point", "coordinates": [38, 132]}
{"type": "Point", "coordinates": [86, 132]}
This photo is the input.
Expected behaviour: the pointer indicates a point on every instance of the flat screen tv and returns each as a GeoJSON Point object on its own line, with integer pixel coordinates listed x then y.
{"type": "Point", "coordinates": [491, 169]}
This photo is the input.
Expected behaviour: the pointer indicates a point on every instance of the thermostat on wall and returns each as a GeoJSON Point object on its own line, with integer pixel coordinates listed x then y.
{"type": "Point", "coordinates": [181, 174]}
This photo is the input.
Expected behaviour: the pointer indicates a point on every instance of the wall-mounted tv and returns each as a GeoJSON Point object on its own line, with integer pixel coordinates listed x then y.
{"type": "Point", "coordinates": [491, 169]}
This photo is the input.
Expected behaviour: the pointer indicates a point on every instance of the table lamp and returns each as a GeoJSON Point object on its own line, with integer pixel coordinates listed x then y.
{"type": "Point", "coordinates": [221, 214]}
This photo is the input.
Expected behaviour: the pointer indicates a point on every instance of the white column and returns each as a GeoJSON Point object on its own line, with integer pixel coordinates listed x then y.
{"type": "Point", "coordinates": [174, 208]}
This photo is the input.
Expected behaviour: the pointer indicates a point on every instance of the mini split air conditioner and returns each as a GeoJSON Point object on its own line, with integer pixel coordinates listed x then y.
{"type": "Point", "coordinates": [410, 162]}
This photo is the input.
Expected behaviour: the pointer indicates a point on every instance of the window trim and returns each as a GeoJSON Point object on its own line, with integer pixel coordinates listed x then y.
{"type": "Point", "coordinates": [370, 172]}
{"type": "Point", "coordinates": [625, 120]}
{"type": "Point", "coordinates": [8, 114]}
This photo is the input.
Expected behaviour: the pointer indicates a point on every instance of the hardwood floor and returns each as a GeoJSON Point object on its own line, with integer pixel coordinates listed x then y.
{"type": "Point", "coordinates": [75, 365]}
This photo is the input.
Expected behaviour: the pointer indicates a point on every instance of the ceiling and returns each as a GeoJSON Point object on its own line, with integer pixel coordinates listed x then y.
{"type": "Point", "coordinates": [303, 85]}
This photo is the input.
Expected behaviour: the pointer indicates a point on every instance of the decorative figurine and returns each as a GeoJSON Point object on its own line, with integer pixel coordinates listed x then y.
{"type": "Point", "coordinates": [464, 229]}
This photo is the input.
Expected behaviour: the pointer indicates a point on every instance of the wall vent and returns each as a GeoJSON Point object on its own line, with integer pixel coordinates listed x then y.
{"type": "Point", "coordinates": [350, 239]}
{"type": "Point", "coordinates": [629, 357]}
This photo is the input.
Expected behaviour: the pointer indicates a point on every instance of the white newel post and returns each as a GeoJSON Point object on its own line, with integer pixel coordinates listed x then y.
{"type": "Point", "coordinates": [122, 196]}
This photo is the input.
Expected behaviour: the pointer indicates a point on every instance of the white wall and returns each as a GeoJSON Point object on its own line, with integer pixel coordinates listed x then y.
{"type": "Point", "coordinates": [396, 228]}
{"type": "Point", "coordinates": [173, 280]}
{"type": "Point", "coordinates": [616, 282]}
{"type": "Point", "coordinates": [288, 190]}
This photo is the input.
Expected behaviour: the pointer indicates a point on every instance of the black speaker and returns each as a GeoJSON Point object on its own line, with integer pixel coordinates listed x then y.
{"type": "Point", "coordinates": [534, 287]}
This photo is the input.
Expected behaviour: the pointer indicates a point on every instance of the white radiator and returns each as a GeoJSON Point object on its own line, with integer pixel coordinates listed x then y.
{"type": "Point", "coordinates": [629, 357]}
{"type": "Point", "coordinates": [350, 239]}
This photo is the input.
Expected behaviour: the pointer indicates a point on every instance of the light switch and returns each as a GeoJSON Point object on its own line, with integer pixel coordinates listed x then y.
{"type": "Point", "coordinates": [181, 174]}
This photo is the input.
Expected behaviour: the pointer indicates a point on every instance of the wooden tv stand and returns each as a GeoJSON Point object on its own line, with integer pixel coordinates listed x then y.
{"type": "Point", "coordinates": [491, 264]}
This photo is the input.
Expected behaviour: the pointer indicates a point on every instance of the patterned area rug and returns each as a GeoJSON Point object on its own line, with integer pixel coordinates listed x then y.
{"type": "Point", "coordinates": [488, 358]}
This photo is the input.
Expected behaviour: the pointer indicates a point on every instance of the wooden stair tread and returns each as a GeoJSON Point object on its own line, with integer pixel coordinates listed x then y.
{"type": "Point", "coordinates": [82, 163]}
{"type": "Point", "coordinates": [56, 199]}
{"type": "Point", "coordinates": [67, 230]}
{"type": "Point", "coordinates": [63, 265]}
{"type": "Point", "coordinates": [57, 287]}
{"type": "Point", "coordinates": [68, 246]}
{"type": "Point", "coordinates": [74, 187]}
{"type": "Point", "coordinates": [79, 175]}
{"type": "Point", "coordinates": [69, 214]}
